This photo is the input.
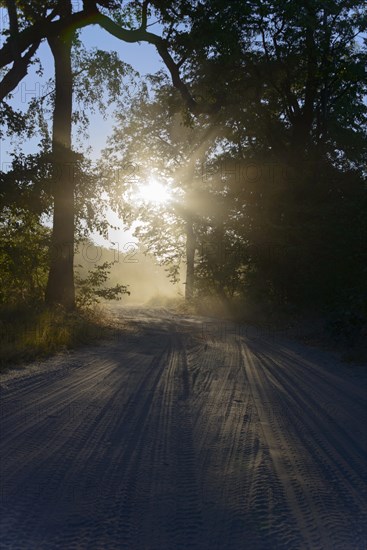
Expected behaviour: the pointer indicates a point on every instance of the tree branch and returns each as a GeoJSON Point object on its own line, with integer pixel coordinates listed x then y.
{"type": "Point", "coordinates": [161, 46]}
{"type": "Point", "coordinates": [90, 15]}
{"type": "Point", "coordinates": [144, 15]}
{"type": "Point", "coordinates": [13, 27]}
{"type": "Point", "coordinates": [18, 71]}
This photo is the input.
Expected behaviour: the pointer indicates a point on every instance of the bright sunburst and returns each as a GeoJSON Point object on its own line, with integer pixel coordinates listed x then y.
{"type": "Point", "coordinates": [154, 192]}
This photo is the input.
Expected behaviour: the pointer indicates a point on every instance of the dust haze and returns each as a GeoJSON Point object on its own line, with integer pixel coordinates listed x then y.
{"type": "Point", "coordinates": [147, 281]}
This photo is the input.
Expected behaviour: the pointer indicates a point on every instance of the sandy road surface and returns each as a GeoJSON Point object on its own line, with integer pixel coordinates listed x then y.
{"type": "Point", "coordinates": [188, 433]}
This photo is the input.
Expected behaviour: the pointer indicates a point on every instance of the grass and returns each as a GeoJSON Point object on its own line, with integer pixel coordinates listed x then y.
{"type": "Point", "coordinates": [29, 334]}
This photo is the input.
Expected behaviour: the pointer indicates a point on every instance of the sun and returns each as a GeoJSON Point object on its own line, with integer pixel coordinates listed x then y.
{"type": "Point", "coordinates": [154, 192]}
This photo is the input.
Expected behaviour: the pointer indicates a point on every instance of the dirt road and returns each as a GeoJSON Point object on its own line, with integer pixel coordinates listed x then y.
{"type": "Point", "coordinates": [185, 434]}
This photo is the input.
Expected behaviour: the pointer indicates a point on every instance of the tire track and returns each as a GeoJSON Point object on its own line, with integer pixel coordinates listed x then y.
{"type": "Point", "coordinates": [175, 441]}
{"type": "Point", "coordinates": [282, 454]}
{"type": "Point", "coordinates": [336, 467]}
{"type": "Point", "coordinates": [293, 427]}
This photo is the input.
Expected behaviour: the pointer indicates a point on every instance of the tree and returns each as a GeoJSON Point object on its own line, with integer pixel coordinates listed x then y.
{"type": "Point", "coordinates": [296, 111]}
{"type": "Point", "coordinates": [60, 288]}
{"type": "Point", "coordinates": [60, 285]}
{"type": "Point", "coordinates": [290, 67]}
{"type": "Point", "coordinates": [151, 136]}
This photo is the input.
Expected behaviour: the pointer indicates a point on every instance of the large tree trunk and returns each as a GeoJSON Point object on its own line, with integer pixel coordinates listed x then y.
{"type": "Point", "coordinates": [60, 285]}
{"type": "Point", "coordinates": [190, 259]}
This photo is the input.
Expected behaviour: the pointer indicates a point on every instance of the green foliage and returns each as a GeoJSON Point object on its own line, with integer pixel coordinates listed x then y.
{"type": "Point", "coordinates": [24, 246]}
{"type": "Point", "coordinates": [100, 79]}
{"type": "Point", "coordinates": [14, 121]}
{"type": "Point", "coordinates": [92, 288]}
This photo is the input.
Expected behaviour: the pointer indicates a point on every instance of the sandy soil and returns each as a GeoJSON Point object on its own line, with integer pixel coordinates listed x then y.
{"type": "Point", "coordinates": [185, 433]}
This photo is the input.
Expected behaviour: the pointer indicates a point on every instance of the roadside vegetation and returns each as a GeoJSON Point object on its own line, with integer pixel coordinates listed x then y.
{"type": "Point", "coordinates": [29, 328]}
{"type": "Point", "coordinates": [33, 334]}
